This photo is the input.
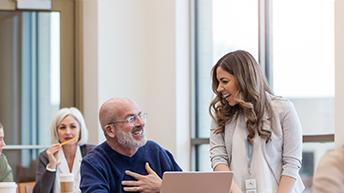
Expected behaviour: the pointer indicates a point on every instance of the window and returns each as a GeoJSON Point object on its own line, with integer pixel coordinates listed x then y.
{"type": "Point", "coordinates": [298, 51]}
{"type": "Point", "coordinates": [31, 82]}
{"type": "Point", "coordinates": [215, 36]}
{"type": "Point", "coordinates": [295, 45]}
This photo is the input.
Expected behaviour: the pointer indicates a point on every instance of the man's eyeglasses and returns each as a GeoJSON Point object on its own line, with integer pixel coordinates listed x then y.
{"type": "Point", "coordinates": [131, 119]}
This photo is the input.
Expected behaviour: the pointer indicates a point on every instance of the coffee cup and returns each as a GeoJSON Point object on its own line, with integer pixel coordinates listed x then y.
{"type": "Point", "coordinates": [8, 187]}
{"type": "Point", "coordinates": [67, 183]}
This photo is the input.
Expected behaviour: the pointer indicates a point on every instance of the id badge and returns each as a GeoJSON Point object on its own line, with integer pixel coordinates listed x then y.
{"type": "Point", "coordinates": [251, 186]}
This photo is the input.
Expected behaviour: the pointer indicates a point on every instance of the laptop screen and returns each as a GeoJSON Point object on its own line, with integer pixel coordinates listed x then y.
{"type": "Point", "coordinates": [197, 182]}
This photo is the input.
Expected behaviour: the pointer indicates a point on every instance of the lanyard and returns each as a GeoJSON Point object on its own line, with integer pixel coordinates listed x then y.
{"type": "Point", "coordinates": [249, 147]}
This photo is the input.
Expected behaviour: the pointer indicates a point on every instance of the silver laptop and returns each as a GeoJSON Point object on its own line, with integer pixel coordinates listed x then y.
{"type": "Point", "coordinates": [196, 182]}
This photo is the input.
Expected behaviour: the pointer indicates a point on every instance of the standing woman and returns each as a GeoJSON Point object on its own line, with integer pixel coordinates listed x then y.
{"type": "Point", "coordinates": [67, 126]}
{"type": "Point", "coordinates": [254, 134]}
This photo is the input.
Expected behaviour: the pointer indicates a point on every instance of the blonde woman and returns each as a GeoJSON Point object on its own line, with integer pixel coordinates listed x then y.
{"type": "Point", "coordinates": [70, 136]}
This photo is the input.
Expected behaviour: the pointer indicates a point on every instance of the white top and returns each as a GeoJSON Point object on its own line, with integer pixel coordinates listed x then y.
{"type": "Point", "coordinates": [62, 168]}
{"type": "Point", "coordinates": [260, 171]}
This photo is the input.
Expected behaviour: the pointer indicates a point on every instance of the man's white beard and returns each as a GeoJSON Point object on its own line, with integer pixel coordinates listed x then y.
{"type": "Point", "coordinates": [128, 141]}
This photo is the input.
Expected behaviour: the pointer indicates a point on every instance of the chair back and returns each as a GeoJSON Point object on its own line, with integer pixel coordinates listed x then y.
{"type": "Point", "coordinates": [25, 187]}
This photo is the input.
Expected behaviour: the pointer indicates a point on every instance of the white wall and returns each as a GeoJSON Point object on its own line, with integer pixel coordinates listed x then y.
{"type": "Point", "coordinates": [90, 68]}
{"type": "Point", "coordinates": [135, 51]}
{"type": "Point", "coordinates": [339, 60]}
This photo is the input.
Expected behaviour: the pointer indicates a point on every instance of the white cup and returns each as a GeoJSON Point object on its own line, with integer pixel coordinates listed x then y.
{"type": "Point", "coordinates": [67, 183]}
{"type": "Point", "coordinates": [8, 187]}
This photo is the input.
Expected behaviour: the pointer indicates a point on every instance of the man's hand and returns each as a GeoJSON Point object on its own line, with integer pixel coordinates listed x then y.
{"type": "Point", "coordinates": [150, 183]}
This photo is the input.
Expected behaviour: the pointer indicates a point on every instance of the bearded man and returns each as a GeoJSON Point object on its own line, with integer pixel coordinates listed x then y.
{"type": "Point", "coordinates": [126, 161]}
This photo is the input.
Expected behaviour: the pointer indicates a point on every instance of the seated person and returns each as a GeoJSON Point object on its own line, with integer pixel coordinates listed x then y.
{"type": "Point", "coordinates": [67, 126]}
{"type": "Point", "coordinates": [5, 169]}
{"type": "Point", "coordinates": [329, 175]}
{"type": "Point", "coordinates": [126, 161]}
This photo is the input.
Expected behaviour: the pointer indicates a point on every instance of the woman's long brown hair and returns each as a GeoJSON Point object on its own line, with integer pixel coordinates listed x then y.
{"type": "Point", "coordinates": [251, 97]}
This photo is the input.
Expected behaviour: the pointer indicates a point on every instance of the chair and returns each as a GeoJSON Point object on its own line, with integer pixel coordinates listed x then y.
{"type": "Point", "coordinates": [26, 174]}
{"type": "Point", "coordinates": [25, 187]}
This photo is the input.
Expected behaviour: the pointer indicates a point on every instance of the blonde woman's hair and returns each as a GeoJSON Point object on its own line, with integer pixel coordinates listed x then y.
{"type": "Point", "coordinates": [62, 114]}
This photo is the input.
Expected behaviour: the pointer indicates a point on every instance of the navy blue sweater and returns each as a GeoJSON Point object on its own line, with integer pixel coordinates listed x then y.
{"type": "Point", "coordinates": [102, 170]}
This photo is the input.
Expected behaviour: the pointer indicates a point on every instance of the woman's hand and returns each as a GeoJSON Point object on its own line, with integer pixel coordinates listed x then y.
{"type": "Point", "coordinates": [235, 188]}
{"type": "Point", "coordinates": [52, 153]}
{"type": "Point", "coordinates": [286, 184]}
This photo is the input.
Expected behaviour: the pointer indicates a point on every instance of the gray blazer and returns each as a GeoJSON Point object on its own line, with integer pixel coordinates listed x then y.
{"type": "Point", "coordinates": [283, 153]}
{"type": "Point", "coordinates": [45, 179]}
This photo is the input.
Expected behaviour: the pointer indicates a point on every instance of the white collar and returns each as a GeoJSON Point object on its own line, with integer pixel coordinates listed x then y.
{"type": "Point", "coordinates": [62, 168]}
